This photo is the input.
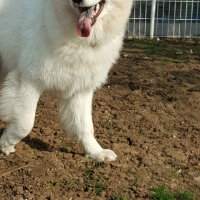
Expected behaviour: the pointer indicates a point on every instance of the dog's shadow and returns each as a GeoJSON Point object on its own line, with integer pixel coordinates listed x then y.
{"type": "Point", "coordinates": [34, 143]}
{"type": "Point", "coordinates": [38, 144]}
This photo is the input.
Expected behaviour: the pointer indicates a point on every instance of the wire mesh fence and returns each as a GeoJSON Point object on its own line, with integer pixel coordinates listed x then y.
{"type": "Point", "coordinates": [165, 18]}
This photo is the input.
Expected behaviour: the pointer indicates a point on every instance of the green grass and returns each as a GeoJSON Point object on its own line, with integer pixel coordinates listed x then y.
{"type": "Point", "coordinates": [184, 195]}
{"type": "Point", "coordinates": [99, 187]}
{"type": "Point", "coordinates": [116, 197]}
{"type": "Point", "coordinates": [167, 50]}
{"type": "Point", "coordinates": [136, 177]}
{"type": "Point", "coordinates": [161, 193]}
{"type": "Point", "coordinates": [47, 186]}
{"type": "Point", "coordinates": [70, 184]}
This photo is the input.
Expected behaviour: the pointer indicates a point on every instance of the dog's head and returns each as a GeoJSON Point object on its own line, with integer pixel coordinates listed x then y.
{"type": "Point", "coordinates": [101, 12]}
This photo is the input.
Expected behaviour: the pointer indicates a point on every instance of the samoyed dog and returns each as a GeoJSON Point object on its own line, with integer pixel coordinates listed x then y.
{"type": "Point", "coordinates": [67, 46]}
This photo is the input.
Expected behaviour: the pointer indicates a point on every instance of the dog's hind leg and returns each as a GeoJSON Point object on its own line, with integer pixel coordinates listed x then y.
{"type": "Point", "coordinates": [17, 106]}
{"type": "Point", "coordinates": [76, 115]}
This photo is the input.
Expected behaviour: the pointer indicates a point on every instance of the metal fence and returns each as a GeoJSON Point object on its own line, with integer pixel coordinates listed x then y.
{"type": "Point", "coordinates": [165, 18]}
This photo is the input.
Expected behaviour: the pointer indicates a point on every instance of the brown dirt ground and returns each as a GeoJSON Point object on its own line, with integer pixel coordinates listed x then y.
{"type": "Point", "coordinates": [148, 113]}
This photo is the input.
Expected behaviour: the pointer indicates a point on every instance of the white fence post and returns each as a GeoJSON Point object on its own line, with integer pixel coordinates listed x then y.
{"type": "Point", "coordinates": [153, 13]}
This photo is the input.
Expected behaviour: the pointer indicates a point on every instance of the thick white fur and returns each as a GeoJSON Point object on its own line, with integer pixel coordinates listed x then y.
{"type": "Point", "coordinates": [41, 50]}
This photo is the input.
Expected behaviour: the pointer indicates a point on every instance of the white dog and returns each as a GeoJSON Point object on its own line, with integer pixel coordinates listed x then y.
{"type": "Point", "coordinates": [64, 45]}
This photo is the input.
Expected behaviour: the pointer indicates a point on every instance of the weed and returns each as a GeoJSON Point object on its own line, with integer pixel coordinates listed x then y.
{"type": "Point", "coordinates": [99, 187]}
{"type": "Point", "coordinates": [168, 51]}
{"type": "Point", "coordinates": [47, 186]}
{"type": "Point", "coordinates": [184, 195]}
{"type": "Point", "coordinates": [160, 193]}
{"type": "Point", "coordinates": [152, 46]}
{"type": "Point", "coordinates": [97, 165]}
{"type": "Point", "coordinates": [91, 170]}
{"type": "Point", "coordinates": [116, 197]}
{"type": "Point", "coordinates": [136, 177]}
{"type": "Point", "coordinates": [70, 184]}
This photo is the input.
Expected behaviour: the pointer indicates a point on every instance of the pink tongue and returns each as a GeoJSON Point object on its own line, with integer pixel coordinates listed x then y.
{"type": "Point", "coordinates": [84, 26]}
{"type": "Point", "coordinates": [85, 22]}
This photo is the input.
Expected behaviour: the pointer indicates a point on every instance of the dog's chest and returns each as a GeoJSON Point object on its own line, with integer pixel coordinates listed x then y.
{"type": "Point", "coordinates": [72, 70]}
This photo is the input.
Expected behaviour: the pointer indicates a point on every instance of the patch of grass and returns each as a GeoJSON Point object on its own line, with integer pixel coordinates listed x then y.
{"type": "Point", "coordinates": [165, 60]}
{"type": "Point", "coordinates": [184, 196]}
{"type": "Point", "coordinates": [116, 197]}
{"type": "Point", "coordinates": [164, 50]}
{"type": "Point", "coordinates": [196, 51]}
{"type": "Point", "coordinates": [99, 187]}
{"type": "Point", "coordinates": [47, 186]}
{"type": "Point", "coordinates": [90, 171]}
{"type": "Point", "coordinates": [168, 50]}
{"type": "Point", "coordinates": [70, 184]}
{"type": "Point", "coordinates": [136, 177]}
{"type": "Point", "coordinates": [97, 165]}
{"type": "Point", "coordinates": [161, 193]}
{"type": "Point", "coordinates": [152, 46]}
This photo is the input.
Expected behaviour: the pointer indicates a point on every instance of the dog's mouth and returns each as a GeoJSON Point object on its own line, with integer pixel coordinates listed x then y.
{"type": "Point", "coordinates": [88, 17]}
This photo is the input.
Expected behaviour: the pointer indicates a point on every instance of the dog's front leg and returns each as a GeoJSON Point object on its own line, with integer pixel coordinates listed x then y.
{"type": "Point", "coordinates": [18, 105]}
{"type": "Point", "coordinates": [76, 115]}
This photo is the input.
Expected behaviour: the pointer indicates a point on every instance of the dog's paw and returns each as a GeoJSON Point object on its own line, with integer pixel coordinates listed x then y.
{"type": "Point", "coordinates": [7, 149]}
{"type": "Point", "coordinates": [104, 155]}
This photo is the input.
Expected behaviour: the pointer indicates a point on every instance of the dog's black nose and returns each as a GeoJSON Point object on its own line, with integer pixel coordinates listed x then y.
{"type": "Point", "coordinates": [77, 1]}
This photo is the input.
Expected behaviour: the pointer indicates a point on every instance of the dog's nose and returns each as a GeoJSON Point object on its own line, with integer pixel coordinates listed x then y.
{"type": "Point", "coordinates": [77, 1]}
